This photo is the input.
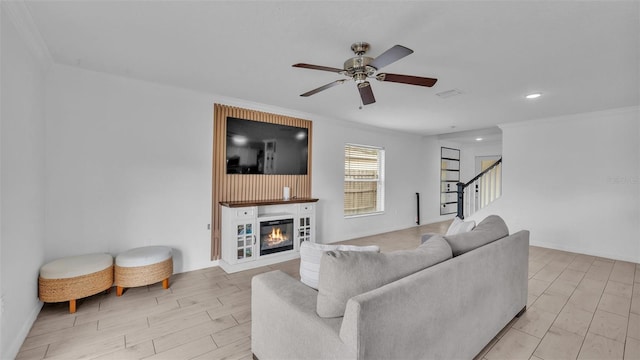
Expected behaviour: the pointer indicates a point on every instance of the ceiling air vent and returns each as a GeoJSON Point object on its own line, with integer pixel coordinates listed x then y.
{"type": "Point", "coordinates": [449, 93]}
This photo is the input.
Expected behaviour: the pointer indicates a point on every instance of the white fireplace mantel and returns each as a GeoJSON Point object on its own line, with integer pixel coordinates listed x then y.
{"type": "Point", "coordinates": [240, 230]}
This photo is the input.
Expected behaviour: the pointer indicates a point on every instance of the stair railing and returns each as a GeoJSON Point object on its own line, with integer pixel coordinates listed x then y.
{"type": "Point", "coordinates": [481, 190]}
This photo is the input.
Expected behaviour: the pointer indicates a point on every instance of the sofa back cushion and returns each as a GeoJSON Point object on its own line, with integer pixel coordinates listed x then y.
{"type": "Point", "coordinates": [488, 230]}
{"type": "Point", "coordinates": [345, 274]}
{"type": "Point", "coordinates": [311, 253]}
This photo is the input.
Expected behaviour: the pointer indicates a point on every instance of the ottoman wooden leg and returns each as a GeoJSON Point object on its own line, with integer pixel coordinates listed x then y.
{"type": "Point", "coordinates": [72, 306]}
{"type": "Point", "coordinates": [119, 290]}
{"type": "Point", "coordinates": [165, 283]}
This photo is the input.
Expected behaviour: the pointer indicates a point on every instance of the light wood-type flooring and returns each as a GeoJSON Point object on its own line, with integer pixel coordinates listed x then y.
{"type": "Point", "coordinates": [579, 306]}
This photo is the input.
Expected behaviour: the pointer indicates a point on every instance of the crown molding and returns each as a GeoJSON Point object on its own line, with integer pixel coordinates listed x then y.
{"type": "Point", "coordinates": [598, 114]}
{"type": "Point", "coordinates": [20, 16]}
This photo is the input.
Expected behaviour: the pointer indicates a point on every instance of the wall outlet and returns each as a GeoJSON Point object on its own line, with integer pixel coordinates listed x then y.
{"type": "Point", "coordinates": [2, 304]}
{"type": "Point", "coordinates": [208, 226]}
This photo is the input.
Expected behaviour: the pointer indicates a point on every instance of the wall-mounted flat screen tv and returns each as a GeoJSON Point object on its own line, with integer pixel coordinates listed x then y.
{"type": "Point", "coordinates": [255, 147]}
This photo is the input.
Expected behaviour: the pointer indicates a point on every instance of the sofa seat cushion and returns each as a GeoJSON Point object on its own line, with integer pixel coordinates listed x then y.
{"type": "Point", "coordinates": [74, 266]}
{"type": "Point", "coordinates": [345, 274]}
{"type": "Point", "coordinates": [143, 256]}
{"type": "Point", "coordinates": [311, 253]}
{"type": "Point", "coordinates": [488, 230]}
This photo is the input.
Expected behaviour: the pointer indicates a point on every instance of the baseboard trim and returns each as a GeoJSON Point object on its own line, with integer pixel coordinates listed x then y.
{"type": "Point", "coordinates": [555, 246]}
{"type": "Point", "coordinates": [21, 335]}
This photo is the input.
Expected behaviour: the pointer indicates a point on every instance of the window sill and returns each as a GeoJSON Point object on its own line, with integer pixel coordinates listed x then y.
{"type": "Point", "coordinates": [364, 215]}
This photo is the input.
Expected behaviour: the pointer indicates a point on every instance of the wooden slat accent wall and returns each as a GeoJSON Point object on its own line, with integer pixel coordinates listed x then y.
{"type": "Point", "coordinates": [241, 187]}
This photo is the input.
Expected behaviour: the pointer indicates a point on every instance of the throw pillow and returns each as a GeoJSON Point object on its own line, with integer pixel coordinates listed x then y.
{"type": "Point", "coordinates": [458, 226]}
{"type": "Point", "coordinates": [345, 274]}
{"type": "Point", "coordinates": [488, 230]}
{"type": "Point", "coordinates": [310, 254]}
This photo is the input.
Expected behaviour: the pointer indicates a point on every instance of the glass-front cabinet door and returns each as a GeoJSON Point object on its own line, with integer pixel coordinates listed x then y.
{"type": "Point", "coordinates": [245, 240]}
{"type": "Point", "coordinates": [304, 229]}
{"type": "Point", "coordinates": [305, 223]}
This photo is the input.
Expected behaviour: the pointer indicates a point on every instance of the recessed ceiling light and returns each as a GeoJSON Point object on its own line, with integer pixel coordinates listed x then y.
{"type": "Point", "coordinates": [479, 139]}
{"type": "Point", "coordinates": [533, 96]}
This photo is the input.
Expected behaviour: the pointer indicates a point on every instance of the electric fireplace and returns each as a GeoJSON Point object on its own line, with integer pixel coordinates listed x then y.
{"type": "Point", "coordinates": [276, 236]}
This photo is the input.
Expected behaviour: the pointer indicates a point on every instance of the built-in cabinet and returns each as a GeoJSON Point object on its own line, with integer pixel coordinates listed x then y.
{"type": "Point", "coordinates": [262, 233]}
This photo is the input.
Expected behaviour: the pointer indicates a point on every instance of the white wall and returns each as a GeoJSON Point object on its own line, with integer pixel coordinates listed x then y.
{"type": "Point", "coordinates": [129, 164]}
{"type": "Point", "coordinates": [468, 154]}
{"type": "Point", "coordinates": [22, 184]}
{"type": "Point", "coordinates": [403, 155]}
{"type": "Point", "coordinates": [574, 182]}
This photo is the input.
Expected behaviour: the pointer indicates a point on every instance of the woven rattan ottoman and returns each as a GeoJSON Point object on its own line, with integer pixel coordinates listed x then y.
{"type": "Point", "coordinates": [143, 266]}
{"type": "Point", "coordinates": [75, 277]}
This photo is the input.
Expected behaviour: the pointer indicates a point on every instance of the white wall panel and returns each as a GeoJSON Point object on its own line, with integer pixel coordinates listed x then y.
{"type": "Point", "coordinates": [573, 181]}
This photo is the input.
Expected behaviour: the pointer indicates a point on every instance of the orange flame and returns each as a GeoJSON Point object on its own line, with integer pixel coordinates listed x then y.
{"type": "Point", "coordinates": [276, 237]}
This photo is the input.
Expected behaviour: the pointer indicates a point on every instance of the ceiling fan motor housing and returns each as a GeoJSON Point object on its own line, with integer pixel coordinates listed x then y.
{"type": "Point", "coordinates": [358, 67]}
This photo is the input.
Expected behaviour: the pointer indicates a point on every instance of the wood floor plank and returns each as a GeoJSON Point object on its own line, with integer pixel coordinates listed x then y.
{"type": "Point", "coordinates": [226, 337]}
{"type": "Point", "coordinates": [242, 316]}
{"type": "Point", "coordinates": [177, 314]}
{"type": "Point", "coordinates": [122, 316]}
{"type": "Point", "coordinates": [176, 324]}
{"type": "Point", "coordinates": [238, 350]}
{"type": "Point", "coordinates": [53, 324]}
{"type": "Point", "coordinates": [139, 351]}
{"type": "Point", "coordinates": [209, 296]}
{"type": "Point", "coordinates": [169, 341]}
{"type": "Point", "coordinates": [231, 309]}
{"type": "Point", "coordinates": [85, 349]}
{"type": "Point", "coordinates": [177, 294]}
{"type": "Point", "coordinates": [60, 335]}
{"type": "Point", "coordinates": [36, 353]}
{"type": "Point", "coordinates": [186, 351]}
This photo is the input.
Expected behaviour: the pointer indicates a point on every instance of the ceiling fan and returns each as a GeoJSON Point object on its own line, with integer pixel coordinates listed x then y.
{"type": "Point", "coordinates": [360, 67]}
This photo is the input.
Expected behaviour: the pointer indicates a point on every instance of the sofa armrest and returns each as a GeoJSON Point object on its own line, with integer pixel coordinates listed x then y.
{"type": "Point", "coordinates": [427, 236]}
{"type": "Point", "coordinates": [284, 322]}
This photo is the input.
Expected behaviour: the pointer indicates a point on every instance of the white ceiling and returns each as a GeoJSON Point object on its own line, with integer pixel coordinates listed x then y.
{"type": "Point", "coordinates": [583, 56]}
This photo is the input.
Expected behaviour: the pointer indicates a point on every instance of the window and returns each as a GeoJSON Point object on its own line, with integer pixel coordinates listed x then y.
{"type": "Point", "coordinates": [363, 180]}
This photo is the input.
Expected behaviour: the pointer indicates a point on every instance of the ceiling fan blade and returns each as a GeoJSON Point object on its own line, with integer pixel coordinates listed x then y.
{"type": "Point", "coordinates": [366, 93]}
{"type": "Point", "coordinates": [407, 79]}
{"type": "Point", "coordinates": [317, 67]}
{"type": "Point", "coordinates": [392, 55]}
{"type": "Point", "coordinates": [324, 87]}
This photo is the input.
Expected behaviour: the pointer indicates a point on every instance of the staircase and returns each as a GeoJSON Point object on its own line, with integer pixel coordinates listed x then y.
{"type": "Point", "coordinates": [480, 191]}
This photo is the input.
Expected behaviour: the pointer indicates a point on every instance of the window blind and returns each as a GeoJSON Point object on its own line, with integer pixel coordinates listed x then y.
{"type": "Point", "coordinates": [362, 179]}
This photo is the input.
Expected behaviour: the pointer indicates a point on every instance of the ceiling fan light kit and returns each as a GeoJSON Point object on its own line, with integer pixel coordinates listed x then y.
{"type": "Point", "coordinates": [359, 68]}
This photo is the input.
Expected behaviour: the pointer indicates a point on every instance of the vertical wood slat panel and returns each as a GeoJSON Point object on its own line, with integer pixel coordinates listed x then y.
{"type": "Point", "coordinates": [237, 187]}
